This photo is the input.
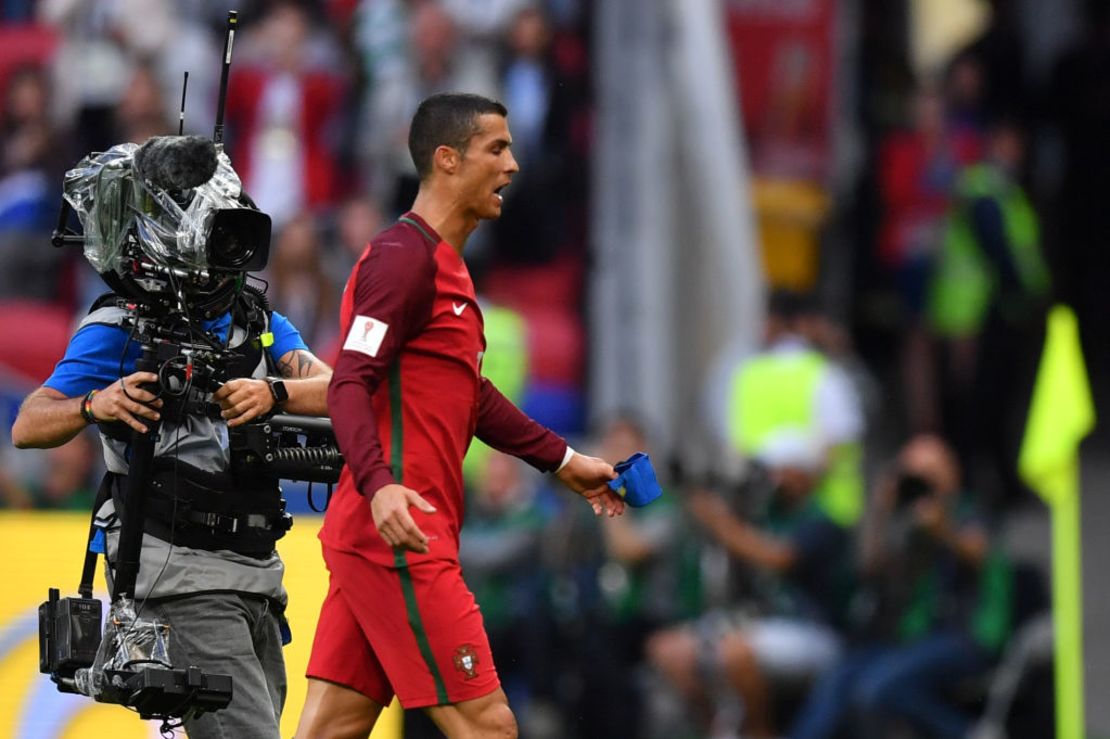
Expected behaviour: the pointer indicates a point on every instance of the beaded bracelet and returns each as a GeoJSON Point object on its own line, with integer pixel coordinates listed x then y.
{"type": "Point", "coordinates": [86, 407]}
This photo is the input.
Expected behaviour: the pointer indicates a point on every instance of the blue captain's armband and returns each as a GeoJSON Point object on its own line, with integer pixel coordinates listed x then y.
{"type": "Point", "coordinates": [636, 482]}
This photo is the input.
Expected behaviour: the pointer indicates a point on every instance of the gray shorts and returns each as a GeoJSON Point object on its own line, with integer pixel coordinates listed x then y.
{"type": "Point", "coordinates": [793, 649]}
{"type": "Point", "coordinates": [786, 648]}
{"type": "Point", "coordinates": [234, 634]}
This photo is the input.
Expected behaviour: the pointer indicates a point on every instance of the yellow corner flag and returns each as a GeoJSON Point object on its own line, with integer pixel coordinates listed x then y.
{"type": "Point", "coordinates": [1060, 415]}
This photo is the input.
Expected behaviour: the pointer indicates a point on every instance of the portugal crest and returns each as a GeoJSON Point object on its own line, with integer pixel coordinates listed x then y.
{"type": "Point", "coordinates": [466, 661]}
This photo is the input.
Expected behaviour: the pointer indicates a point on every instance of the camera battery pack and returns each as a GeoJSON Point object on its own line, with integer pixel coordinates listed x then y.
{"type": "Point", "coordinates": [69, 633]}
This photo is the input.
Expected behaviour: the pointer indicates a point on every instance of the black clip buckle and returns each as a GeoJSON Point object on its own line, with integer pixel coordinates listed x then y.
{"type": "Point", "coordinates": [223, 524]}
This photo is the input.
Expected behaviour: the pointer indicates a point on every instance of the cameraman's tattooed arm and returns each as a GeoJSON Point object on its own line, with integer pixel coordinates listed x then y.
{"type": "Point", "coordinates": [245, 399]}
{"type": "Point", "coordinates": [299, 364]}
{"type": "Point", "coordinates": [307, 381]}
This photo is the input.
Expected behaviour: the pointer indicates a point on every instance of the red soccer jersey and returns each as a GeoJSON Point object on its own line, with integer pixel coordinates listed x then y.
{"type": "Point", "coordinates": [407, 395]}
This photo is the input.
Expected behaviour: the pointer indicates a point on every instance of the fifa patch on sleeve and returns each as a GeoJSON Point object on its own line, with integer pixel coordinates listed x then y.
{"type": "Point", "coordinates": [366, 335]}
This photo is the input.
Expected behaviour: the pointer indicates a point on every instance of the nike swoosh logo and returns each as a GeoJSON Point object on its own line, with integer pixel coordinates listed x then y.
{"type": "Point", "coordinates": [458, 308]}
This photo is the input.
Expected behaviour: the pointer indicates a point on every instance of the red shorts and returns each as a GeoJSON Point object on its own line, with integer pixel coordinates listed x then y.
{"type": "Point", "coordinates": [414, 631]}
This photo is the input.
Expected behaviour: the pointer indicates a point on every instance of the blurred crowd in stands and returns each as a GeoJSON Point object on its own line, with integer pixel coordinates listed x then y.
{"type": "Point", "coordinates": [847, 578]}
{"type": "Point", "coordinates": [319, 100]}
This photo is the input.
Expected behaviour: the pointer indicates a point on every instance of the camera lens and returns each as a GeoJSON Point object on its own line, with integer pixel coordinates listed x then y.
{"type": "Point", "coordinates": [228, 249]}
{"type": "Point", "coordinates": [912, 488]}
{"type": "Point", "coordinates": [239, 240]}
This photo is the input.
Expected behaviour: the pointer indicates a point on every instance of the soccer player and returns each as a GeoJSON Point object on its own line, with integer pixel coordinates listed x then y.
{"type": "Point", "coordinates": [406, 399]}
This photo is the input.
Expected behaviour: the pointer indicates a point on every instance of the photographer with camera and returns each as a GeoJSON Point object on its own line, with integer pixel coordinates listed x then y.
{"type": "Point", "coordinates": [933, 609]}
{"type": "Point", "coordinates": [786, 629]}
{"type": "Point", "coordinates": [207, 567]}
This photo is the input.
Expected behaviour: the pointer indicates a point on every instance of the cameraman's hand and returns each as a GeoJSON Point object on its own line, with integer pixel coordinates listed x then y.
{"type": "Point", "coordinates": [244, 400]}
{"type": "Point", "coordinates": [128, 402]}
{"type": "Point", "coordinates": [390, 508]}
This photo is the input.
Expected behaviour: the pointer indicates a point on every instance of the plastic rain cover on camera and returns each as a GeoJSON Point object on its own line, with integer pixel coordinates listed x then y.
{"type": "Point", "coordinates": [129, 643]}
{"type": "Point", "coordinates": [113, 204]}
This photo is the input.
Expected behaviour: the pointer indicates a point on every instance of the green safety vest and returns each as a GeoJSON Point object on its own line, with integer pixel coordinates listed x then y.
{"type": "Point", "coordinates": [774, 392]}
{"type": "Point", "coordinates": [505, 364]}
{"type": "Point", "coordinates": [964, 281]}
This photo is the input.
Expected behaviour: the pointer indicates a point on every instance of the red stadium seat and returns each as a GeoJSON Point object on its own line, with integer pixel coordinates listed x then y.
{"type": "Point", "coordinates": [33, 337]}
{"type": "Point", "coordinates": [22, 45]}
{"type": "Point", "coordinates": [556, 346]}
{"type": "Point", "coordinates": [557, 285]}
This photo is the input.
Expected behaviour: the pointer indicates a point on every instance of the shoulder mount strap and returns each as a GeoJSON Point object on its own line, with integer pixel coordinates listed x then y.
{"type": "Point", "coordinates": [104, 299]}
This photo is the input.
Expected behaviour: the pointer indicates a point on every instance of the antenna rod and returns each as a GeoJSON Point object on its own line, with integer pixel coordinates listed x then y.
{"type": "Point", "coordinates": [229, 41]}
{"type": "Point", "coordinates": [181, 116]}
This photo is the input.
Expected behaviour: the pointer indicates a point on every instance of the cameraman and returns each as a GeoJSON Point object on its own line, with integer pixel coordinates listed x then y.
{"type": "Point", "coordinates": [934, 606]}
{"type": "Point", "coordinates": [218, 587]}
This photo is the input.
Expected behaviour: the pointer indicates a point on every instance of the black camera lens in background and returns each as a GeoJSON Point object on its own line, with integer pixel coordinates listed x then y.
{"type": "Point", "coordinates": [912, 488]}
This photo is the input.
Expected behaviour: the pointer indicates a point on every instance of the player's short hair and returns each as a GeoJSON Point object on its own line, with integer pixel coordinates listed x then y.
{"type": "Point", "coordinates": [447, 119]}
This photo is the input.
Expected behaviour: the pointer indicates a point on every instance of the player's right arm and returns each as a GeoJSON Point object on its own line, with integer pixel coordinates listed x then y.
{"type": "Point", "coordinates": [391, 293]}
{"type": "Point", "coordinates": [506, 428]}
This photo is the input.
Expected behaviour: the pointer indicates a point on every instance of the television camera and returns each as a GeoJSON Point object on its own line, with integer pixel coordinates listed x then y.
{"type": "Point", "coordinates": [170, 230]}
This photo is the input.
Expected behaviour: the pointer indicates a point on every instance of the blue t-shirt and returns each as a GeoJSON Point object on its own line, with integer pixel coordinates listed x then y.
{"type": "Point", "coordinates": [92, 359]}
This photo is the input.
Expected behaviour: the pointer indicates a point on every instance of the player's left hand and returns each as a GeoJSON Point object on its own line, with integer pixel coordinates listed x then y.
{"type": "Point", "coordinates": [243, 400]}
{"type": "Point", "coordinates": [588, 476]}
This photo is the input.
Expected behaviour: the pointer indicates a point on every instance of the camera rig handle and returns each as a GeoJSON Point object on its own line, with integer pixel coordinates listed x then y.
{"type": "Point", "coordinates": [61, 235]}
{"type": "Point", "coordinates": [141, 465]}
{"type": "Point", "coordinates": [289, 447]}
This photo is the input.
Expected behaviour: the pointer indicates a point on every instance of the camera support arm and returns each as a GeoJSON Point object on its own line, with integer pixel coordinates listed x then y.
{"type": "Point", "coordinates": [139, 471]}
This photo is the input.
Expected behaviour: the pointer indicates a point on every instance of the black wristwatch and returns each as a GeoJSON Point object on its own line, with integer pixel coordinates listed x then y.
{"type": "Point", "coordinates": [278, 390]}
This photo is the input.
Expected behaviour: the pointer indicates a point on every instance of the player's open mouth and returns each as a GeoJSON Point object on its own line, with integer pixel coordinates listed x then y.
{"type": "Point", "coordinates": [497, 192]}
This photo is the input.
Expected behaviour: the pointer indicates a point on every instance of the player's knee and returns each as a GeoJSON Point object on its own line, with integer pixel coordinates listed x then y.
{"type": "Point", "coordinates": [348, 726]}
{"type": "Point", "coordinates": [498, 722]}
{"type": "Point", "coordinates": [335, 715]}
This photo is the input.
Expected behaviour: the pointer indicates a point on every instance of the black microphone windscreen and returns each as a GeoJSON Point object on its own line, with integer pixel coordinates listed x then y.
{"type": "Point", "coordinates": [176, 162]}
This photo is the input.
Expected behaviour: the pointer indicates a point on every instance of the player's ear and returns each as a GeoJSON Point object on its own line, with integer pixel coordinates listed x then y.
{"type": "Point", "coordinates": [446, 158]}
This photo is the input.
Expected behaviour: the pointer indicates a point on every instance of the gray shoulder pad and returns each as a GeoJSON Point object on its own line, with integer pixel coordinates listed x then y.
{"type": "Point", "coordinates": [111, 315]}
